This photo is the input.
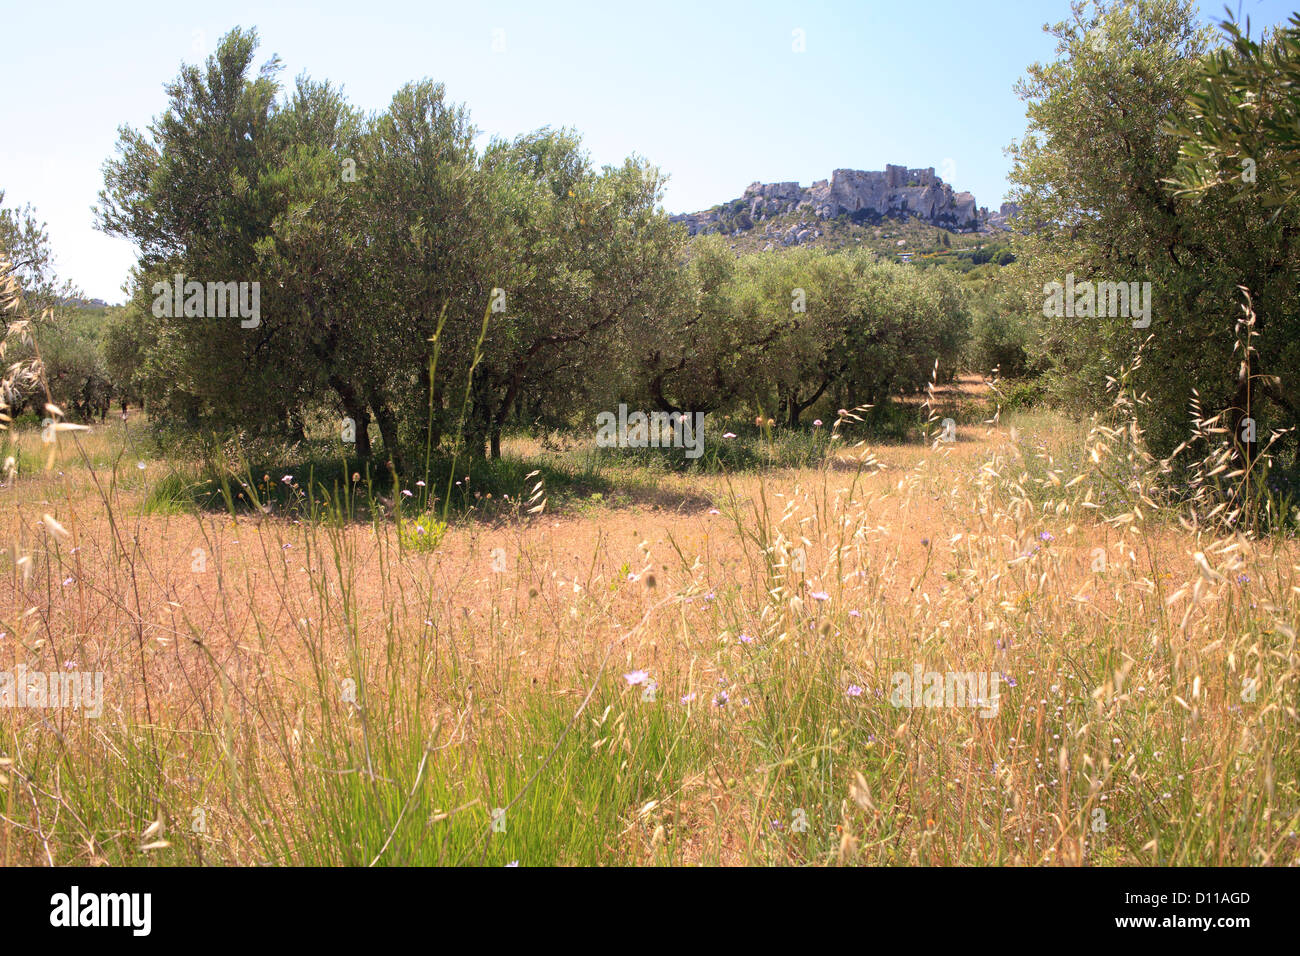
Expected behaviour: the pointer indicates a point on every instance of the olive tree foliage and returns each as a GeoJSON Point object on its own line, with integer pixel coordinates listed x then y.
{"type": "Point", "coordinates": [582, 259]}
{"type": "Point", "coordinates": [128, 344]}
{"type": "Point", "coordinates": [778, 333]}
{"type": "Point", "coordinates": [70, 363]}
{"type": "Point", "coordinates": [405, 279]}
{"type": "Point", "coordinates": [905, 323]}
{"type": "Point", "coordinates": [196, 197]}
{"type": "Point", "coordinates": [1243, 114]}
{"type": "Point", "coordinates": [1092, 178]}
{"type": "Point", "coordinates": [702, 352]}
{"type": "Point", "coordinates": [1240, 141]}
{"type": "Point", "coordinates": [854, 328]}
{"type": "Point", "coordinates": [25, 245]}
{"type": "Point", "coordinates": [805, 300]}
{"type": "Point", "coordinates": [420, 203]}
{"type": "Point", "coordinates": [1002, 321]}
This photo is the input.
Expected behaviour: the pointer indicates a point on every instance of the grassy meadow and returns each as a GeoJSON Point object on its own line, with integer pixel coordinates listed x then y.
{"type": "Point", "coordinates": [604, 659]}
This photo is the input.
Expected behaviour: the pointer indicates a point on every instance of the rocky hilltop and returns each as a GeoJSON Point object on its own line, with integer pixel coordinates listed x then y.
{"type": "Point", "coordinates": [861, 196]}
{"type": "Point", "coordinates": [1002, 218]}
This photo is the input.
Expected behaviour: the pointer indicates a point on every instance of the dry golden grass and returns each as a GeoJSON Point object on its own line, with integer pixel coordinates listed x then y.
{"type": "Point", "coordinates": [770, 610]}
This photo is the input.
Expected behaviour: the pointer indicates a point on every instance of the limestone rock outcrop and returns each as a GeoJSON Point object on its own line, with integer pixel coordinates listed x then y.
{"type": "Point", "coordinates": [1000, 219]}
{"type": "Point", "coordinates": [861, 195]}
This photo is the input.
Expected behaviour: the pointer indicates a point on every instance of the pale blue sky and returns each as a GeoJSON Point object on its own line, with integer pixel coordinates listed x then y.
{"type": "Point", "coordinates": [711, 92]}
